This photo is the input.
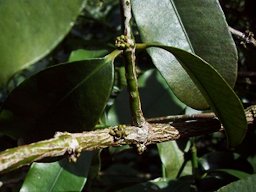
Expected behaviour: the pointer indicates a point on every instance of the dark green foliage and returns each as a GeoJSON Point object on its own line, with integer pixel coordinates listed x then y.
{"type": "Point", "coordinates": [32, 31]}
{"type": "Point", "coordinates": [88, 89]}
{"type": "Point", "coordinates": [58, 176]}
{"type": "Point", "coordinates": [219, 95]}
{"type": "Point", "coordinates": [66, 97]}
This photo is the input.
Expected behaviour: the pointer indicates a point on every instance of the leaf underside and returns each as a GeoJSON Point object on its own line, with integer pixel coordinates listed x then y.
{"type": "Point", "coordinates": [195, 26]}
{"type": "Point", "coordinates": [221, 97]}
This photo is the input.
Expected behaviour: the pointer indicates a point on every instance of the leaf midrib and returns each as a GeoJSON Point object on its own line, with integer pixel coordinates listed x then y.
{"type": "Point", "coordinates": [56, 179]}
{"type": "Point", "coordinates": [182, 26]}
{"type": "Point", "coordinates": [82, 81]}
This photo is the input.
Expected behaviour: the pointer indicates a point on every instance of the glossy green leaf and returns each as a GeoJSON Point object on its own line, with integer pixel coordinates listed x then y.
{"type": "Point", "coordinates": [252, 160]}
{"type": "Point", "coordinates": [160, 185]}
{"type": "Point", "coordinates": [196, 26]}
{"type": "Point", "coordinates": [31, 29]}
{"type": "Point", "coordinates": [82, 54]}
{"type": "Point", "coordinates": [236, 173]}
{"type": "Point", "coordinates": [58, 176]}
{"type": "Point", "coordinates": [62, 175]}
{"type": "Point", "coordinates": [66, 97]}
{"type": "Point", "coordinates": [172, 159]}
{"type": "Point", "coordinates": [214, 160]}
{"type": "Point", "coordinates": [220, 96]}
{"type": "Point", "coordinates": [244, 185]}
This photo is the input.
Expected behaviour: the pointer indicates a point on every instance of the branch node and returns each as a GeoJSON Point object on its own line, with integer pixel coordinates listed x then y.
{"type": "Point", "coordinates": [123, 42]}
{"type": "Point", "coordinates": [118, 132]}
{"type": "Point", "coordinates": [141, 147]}
{"type": "Point", "coordinates": [140, 136]}
{"type": "Point", "coordinates": [73, 150]}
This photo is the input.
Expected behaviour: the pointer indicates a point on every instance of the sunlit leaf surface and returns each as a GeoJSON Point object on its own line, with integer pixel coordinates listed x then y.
{"type": "Point", "coordinates": [196, 26]}
{"type": "Point", "coordinates": [31, 29]}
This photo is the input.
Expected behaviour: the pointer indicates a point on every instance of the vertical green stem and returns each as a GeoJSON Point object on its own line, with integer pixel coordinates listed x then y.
{"type": "Point", "coordinates": [129, 54]}
{"type": "Point", "coordinates": [194, 159]}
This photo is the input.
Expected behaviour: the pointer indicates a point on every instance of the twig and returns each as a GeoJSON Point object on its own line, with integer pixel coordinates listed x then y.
{"type": "Point", "coordinates": [250, 113]}
{"type": "Point", "coordinates": [72, 144]}
{"type": "Point", "coordinates": [247, 38]}
{"type": "Point", "coordinates": [247, 73]}
{"type": "Point", "coordinates": [127, 40]}
{"type": "Point", "coordinates": [182, 118]}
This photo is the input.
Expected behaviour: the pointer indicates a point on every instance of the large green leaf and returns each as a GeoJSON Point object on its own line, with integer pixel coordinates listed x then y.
{"type": "Point", "coordinates": [236, 173]}
{"type": "Point", "coordinates": [58, 176]}
{"type": "Point", "coordinates": [160, 185]}
{"type": "Point", "coordinates": [31, 29]}
{"type": "Point", "coordinates": [245, 185]}
{"type": "Point", "coordinates": [220, 96]}
{"type": "Point", "coordinates": [66, 97]}
{"type": "Point", "coordinates": [82, 54]}
{"type": "Point", "coordinates": [172, 159]}
{"type": "Point", "coordinates": [196, 26]}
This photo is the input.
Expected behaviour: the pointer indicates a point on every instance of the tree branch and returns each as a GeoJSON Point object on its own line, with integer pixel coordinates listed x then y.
{"type": "Point", "coordinates": [247, 37]}
{"type": "Point", "coordinates": [73, 144]}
